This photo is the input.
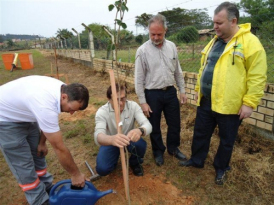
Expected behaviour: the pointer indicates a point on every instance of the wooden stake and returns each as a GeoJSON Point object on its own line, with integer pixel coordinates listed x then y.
{"type": "Point", "coordinates": [119, 130]}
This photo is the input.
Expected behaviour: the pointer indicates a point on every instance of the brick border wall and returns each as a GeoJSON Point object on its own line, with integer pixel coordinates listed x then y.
{"type": "Point", "coordinates": [262, 117]}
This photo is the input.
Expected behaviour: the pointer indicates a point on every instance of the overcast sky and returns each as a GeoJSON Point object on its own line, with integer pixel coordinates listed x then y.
{"type": "Point", "coordinates": [45, 17]}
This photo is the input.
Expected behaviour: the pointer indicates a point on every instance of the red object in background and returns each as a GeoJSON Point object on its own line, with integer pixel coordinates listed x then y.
{"type": "Point", "coordinates": [26, 60]}
{"type": "Point", "coordinates": [8, 60]}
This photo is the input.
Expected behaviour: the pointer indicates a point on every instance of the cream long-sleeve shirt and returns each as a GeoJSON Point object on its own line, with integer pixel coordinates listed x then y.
{"type": "Point", "coordinates": [106, 123]}
{"type": "Point", "coordinates": [156, 68]}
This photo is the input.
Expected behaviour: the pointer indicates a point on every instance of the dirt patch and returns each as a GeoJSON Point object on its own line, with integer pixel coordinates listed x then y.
{"type": "Point", "coordinates": [77, 115]}
{"type": "Point", "coordinates": [150, 189]}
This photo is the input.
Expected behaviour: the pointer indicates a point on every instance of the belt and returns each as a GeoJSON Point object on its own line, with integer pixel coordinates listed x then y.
{"type": "Point", "coordinates": [166, 88]}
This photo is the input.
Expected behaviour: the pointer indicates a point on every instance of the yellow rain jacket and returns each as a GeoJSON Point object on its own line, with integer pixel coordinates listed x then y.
{"type": "Point", "coordinates": [239, 75]}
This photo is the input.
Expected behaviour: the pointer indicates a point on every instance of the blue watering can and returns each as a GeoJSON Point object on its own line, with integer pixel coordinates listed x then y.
{"type": "Point", "coordinates": [70, 195]}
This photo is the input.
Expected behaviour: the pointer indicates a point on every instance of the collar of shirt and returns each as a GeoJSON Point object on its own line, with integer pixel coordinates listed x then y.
{"type": "Point", "coordinates": [110, 108]}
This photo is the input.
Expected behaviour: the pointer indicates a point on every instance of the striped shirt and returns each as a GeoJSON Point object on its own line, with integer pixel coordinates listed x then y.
{"type": "Point", "coordinates": [207, 75]}
{"type": "Point", "coordinates": [156, 68]}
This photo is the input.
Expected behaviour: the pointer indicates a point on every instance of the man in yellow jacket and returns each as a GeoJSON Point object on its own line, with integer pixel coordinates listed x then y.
{"type": "Point", "coordinates": [230, 85]}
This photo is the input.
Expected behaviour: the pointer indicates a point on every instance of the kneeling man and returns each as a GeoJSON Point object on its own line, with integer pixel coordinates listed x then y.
{"type": "Point", "coordinates": [110, 142]}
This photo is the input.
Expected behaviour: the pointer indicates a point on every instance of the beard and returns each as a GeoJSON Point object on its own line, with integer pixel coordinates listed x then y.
{"type": "Point", "coordinates": [157, 43]}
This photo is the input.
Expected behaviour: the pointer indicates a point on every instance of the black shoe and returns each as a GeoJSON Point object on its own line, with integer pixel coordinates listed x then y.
{"type": "Point", "coordinates": [159, 160]}
{"type": "Point", "coordinates": [220, 177]}
{"type": "Point", "coordinates": [46, 202]}
{"type": "Point", "coordinates": [189, 163]}
{"type": "Point", "coordinates": [178, 154]}
{"type": "Point", "coordinates": [137, 170]}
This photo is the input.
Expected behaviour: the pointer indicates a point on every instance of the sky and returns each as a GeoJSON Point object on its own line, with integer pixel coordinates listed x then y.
{"type": "Point", "coordinates": [45, 17]}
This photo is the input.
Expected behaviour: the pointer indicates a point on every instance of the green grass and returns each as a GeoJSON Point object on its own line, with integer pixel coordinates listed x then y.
{"type": "Point", "coordinates": [96, 102]}
{"type": "Point", "coordinates": [77, 128]}
{"type": "Point", "coordinates": [127, 56]}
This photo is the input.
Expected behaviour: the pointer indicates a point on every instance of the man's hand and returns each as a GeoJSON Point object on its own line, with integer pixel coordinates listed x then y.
{"type": "Point", "coordinates": [245, 112]}
{"type": "Point", "coordinates": [183, 98]}
{"type": "Point", "coordinates": [78, 180]}
{"type": "Point", "coordinates": [42, 150]}
{"type": "Point", "coordinates": [120, 140]}
{"type": "Point", "coordinates": [146, 109]}
{"type": "Point", "coordinates": [134, 135]}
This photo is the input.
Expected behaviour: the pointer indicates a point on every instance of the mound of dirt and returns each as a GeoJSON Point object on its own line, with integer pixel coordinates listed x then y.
{"type": "Point", "coordinates": [149, 189]}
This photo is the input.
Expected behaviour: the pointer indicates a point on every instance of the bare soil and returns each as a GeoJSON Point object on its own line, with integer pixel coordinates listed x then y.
{"type": "Point", "coordinates": [251, 180]}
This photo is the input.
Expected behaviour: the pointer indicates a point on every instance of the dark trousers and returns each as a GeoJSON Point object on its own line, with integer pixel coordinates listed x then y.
{"type": "Point", "coordinates": [164, 101]}
{"type": "Point", "coordinates": [108, 156]}
{"type": "Point", "coordinates": [206, 121]}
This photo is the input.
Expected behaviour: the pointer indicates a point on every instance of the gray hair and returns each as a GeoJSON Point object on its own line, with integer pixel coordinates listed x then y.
{"type": "Point", "coordinates": [159, 18]}
{"type": "Point", "coordinates": [232, 10]}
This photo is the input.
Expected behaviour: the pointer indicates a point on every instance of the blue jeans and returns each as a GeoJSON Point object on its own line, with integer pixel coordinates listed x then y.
{"type": "Point", "coordinates": [108, 156]}
{"type": "Point", "coordinates": [205, 123]}
{"type": "Point", "coordinates": [164, 101]}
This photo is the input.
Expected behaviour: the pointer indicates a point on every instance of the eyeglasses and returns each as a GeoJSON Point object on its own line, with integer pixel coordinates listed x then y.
{"type": "Point", "coordinates": [121, 99]}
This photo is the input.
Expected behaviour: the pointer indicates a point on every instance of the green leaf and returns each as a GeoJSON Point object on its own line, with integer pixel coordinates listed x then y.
{"type": "Point", "coordinates": [117, 3]}
{"type": "Point", "coordinates": [113, 47]}
{"type": "Point", "coordinates": [124, 7]}
{"type": "Point", "coordinates": [110, 7]}
{"type": "Point", "coordinates": [118, 21]}
{"type": "Point", "coordinates": [124, 25]}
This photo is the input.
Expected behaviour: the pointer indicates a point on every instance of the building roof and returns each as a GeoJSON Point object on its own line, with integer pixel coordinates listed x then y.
{"type": "Point", "coordinates": [206, 31]}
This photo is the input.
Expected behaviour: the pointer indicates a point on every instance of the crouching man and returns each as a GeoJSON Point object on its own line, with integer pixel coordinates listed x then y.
{"type": "Point", "coordinates": [111, 142]}
{"type": "Point", "coordinates": [29, 110]}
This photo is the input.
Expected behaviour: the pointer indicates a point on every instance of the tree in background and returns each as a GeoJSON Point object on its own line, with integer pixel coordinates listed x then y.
{"type": "Point", "coordinates": [142, 20]}
{"type": "Point", "coordinates": [188, 34]}
{"type": "Point", "coordinates": [64, 33]}
{"type": "Point", "coordinates": [125, 37]}
{"type": "Point", "coordinates": [260, 11]}
{"type": "Point", "coordinates": [1, 39]}
{"type": "Point", "coordinates": [139, 39]}
{"type": "Point", "coordinates": [100, 38]}
{"type": "Point", "coordinates": [200, 18]}
{"type": "Point", "coordinates": [177, 18]}
{"type": "Point", "coordinates": [10, 43]}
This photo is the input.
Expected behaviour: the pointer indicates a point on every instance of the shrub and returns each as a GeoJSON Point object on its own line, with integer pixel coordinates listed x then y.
{"type": "Point", "coordinates": [188, 34]}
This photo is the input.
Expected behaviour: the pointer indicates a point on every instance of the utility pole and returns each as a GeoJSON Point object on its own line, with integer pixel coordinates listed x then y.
{"type": "Point", "coordinates": [113, 42]}
{"type": "Point", "coordinates": [91, 43]}
{"type": "Point", "coordinates": [78, 37]}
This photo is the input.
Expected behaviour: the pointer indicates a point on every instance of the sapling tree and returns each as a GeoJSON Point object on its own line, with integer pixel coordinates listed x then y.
{"type": "Point", "coordinates": [121, 8]}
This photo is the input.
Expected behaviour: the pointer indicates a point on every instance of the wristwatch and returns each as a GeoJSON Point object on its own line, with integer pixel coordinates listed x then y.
{"type": "Point", "coordinates": [142, 130]}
